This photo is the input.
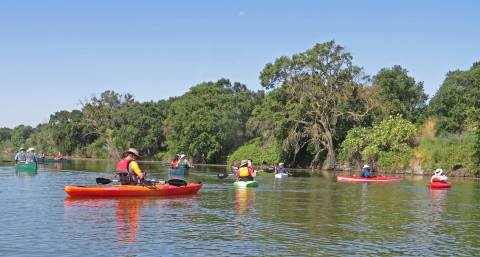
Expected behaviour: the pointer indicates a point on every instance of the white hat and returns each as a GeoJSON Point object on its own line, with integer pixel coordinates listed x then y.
{"type": "Point", "coordinates": [181, 156]}
{"type": "Point", "coordinates": [134, 151]}
{"type": "Point", "coordinates": [366, 166]}
{"type": "Point", "coordinates": [438, 172]}
{"type": "Point", "coordinates": [31, 149]}
{"type": "Point", "coordinates": [281, 164]}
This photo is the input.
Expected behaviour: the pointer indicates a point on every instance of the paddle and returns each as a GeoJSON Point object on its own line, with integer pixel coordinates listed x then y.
{"type": "Point", "coordinates": [104, 181]}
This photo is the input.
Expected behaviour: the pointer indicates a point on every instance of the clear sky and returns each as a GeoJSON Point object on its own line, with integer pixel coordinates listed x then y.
{"type": "Point", "coordinates": [55, 53]}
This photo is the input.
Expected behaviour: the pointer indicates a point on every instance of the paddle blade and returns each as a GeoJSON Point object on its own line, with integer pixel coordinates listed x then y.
{"type": "Point", "coordinates": [103, 181]}
{"type": "Point", "coordinates": [177, 182]}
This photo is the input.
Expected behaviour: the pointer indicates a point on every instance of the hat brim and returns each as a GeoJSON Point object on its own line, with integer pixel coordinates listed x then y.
{"type": "Point", "coordinates": [127, 152]}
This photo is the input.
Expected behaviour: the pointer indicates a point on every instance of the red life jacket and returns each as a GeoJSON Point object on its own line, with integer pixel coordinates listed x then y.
{"type": "Point", "coordinates": [122, 166]}
{"type": "Point", "coordinates": [174, 164]}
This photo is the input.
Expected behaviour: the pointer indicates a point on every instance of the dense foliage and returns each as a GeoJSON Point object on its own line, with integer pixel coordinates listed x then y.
{"type": "Point", "coordinates": [457, 97]}
{"type": "Point", "coordinates": [317, 106]}
{"type": "Point", "coordinates": [385, 144]}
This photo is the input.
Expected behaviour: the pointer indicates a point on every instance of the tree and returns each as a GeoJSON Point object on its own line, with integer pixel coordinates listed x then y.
{"type": "Point", "coordinates": [208, 122]}
{"type": "Point", "coordinates": [323, 89]}
{"type": "Point", "coordinates": [399, 93]}
{"type": "Point", "coordinates": [20, 135]}
{"type": "Point", "coordinates": [459, 93]}
{"type": "Point", "coordinates": [392, 135]}
{"type": "Point", "coordinates": [67, 131]}
{"type": "Point", "coordinates": [5, 134]}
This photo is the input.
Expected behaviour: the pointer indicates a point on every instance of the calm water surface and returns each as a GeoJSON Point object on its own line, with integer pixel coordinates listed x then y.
{"type": "Point", "coordinates": [311, 216]}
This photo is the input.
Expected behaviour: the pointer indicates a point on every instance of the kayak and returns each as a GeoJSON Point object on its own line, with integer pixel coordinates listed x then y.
{"type": "Point", "coordinates": [26, 167]}
{"type": "Point", "coordinates": [133, 190]}
{"type": "Point", "coordinates": [281, 175]}
{"type": "Point", "coordinates": [361, 179]}
{"type": "Point", "coordinates": [439, 184]}
{"type": "Point", "coordinates": [244, 184]}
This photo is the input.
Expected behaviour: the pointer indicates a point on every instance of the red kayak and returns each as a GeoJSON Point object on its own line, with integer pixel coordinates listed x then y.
{"type": "Point", "coordinates": [130, 190]}
{"type": "Point", "coordinates": [362, 179]}
{"type": "Point", "coordinates": [439, 184]}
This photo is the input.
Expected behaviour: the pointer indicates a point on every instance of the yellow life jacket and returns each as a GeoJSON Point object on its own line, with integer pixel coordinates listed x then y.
{"type": "Point", "coordinates": [243, 172]}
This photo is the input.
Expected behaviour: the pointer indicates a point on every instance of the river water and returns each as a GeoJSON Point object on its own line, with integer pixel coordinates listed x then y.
{"type": "Point", "coordinates": [307, 216]}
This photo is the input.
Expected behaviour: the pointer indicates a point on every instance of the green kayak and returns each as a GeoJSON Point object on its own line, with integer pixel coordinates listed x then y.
{"type": "Point", "coordinates": [26, 167]}
{"type": "Point", "coordinates": [244, 184]}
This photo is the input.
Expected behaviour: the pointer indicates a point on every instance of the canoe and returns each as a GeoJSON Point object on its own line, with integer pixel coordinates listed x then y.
{"type": "Point", "coordinates": [244, 184]}
{"type": "Point", "coordinates": [439, 184]}
{"type": "Point", "coordinates": [132, 190]}
{"type": "Point", "coordinates": [281, 175]}
{"type": "Point", "coordinates": [361, 179]}
{"type": "Point", "coordinates": [26, 167]}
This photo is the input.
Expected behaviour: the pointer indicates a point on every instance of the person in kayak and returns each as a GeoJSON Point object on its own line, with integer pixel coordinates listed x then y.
{"type": "Point", "coordinates": [183, 162]}
{"type": "Point", "coordinates": [438, 176]}
{"type": "Point", "coordinates": [245, 172]}
{"type": "Point", "coordinates": [59, 156]}
{"type": "Point", "coordinates": [366, 172]}
{"type": "Point", "coordinates": [128, 169]}
{"type": "Point", "coordinates": [30, 156]}
{"type": "Point", "coordinates": [281, 169]}
{"type": "Point", "coordinates": [175, 161]}
{"type": "Point", "coordinates": [21, 155]}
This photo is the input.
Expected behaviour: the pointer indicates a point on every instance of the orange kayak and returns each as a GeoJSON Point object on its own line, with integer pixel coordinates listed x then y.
{"type": "Point", "coordinates": [133, 190]}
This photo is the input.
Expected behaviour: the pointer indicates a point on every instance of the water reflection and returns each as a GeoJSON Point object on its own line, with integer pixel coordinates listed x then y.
{"type": "Point", "coordinates": [245, 198]}
{"type": "Point", "coordinates": [58, 165]}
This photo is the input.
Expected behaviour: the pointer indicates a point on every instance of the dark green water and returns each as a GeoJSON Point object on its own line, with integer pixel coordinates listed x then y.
{"type": "Point", "coordinates": [314, 216]}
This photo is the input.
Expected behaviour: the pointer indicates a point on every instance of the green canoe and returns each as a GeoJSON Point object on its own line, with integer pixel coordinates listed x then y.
{"type": "Point", "coordinates": [245, 184]}
{"type": "Point", "coordinates": [26, 167]}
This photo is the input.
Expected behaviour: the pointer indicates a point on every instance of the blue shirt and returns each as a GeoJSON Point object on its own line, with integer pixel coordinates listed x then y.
{"type": "Point", "coordinates": [20, 156]}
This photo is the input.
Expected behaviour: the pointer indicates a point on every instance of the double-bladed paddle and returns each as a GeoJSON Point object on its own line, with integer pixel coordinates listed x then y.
{"type": "Point", "coordinates": [174, 182]}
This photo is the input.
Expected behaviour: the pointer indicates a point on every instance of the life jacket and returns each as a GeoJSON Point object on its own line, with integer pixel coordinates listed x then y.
{"type": "Point", "coordinates": [122, 166]}
{"type": "Point", "coordinates": [244, 172]}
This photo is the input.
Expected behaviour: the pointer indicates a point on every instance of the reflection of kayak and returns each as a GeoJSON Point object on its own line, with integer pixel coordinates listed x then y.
{"type": "Point", "coordinates": [439, 184]}
{"type": "Point", "coordinates": [26, 167]}
{"type": "Point", "coordinates": [243, 184]}
{"type": "Point", "coordinates": [128, 190]}
{"type": "Point", "coordinates": [281, 175]}
{"type": "Point", "coordinates": [361, 179]}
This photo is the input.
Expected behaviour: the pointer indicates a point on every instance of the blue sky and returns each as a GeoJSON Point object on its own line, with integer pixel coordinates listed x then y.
{"type": "Point", "coordinates": [53, 54]}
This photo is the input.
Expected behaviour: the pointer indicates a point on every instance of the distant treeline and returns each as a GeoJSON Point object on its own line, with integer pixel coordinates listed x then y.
{"type": "Point", "coordinates": [317, 109]}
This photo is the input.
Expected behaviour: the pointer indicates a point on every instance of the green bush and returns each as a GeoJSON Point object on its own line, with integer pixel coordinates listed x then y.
{"type": "Point", "coordinates": [395, 160]}
{"type": "Point", "coordinates": [258, 151]}
{"type": "Point", "coordinates": [447, 152]}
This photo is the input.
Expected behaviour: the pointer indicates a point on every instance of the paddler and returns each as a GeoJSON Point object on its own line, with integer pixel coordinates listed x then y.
{"type": "Point", "coordinates": [281, 169]}
{"type": "Point", "coordinates": [20, 156]}
{"type": "Point", "coordinates": [366, 172]}
{"type": "Point", "coordinates": [245, 172]}
{"type": "Point", "coordinates": [128, 169]}
{"type": "Point", "coordinates": [30, 157]}
{"type": "Point", "coordinates": [438, 176]}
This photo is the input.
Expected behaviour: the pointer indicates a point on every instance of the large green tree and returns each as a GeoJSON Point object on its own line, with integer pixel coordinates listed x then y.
{"type": "Point", "coordinates": [20, 135]}
{"type": "Point", "coordinates": [323, 90]}
{"type": "Point", "coordinates": [67, 131]}
{"type": "Point", "coordinates": [399, 93]}
{"type": "Point", "coordinates": [208, 122]}
{"type": "Point", "coordinates": [459, 93]}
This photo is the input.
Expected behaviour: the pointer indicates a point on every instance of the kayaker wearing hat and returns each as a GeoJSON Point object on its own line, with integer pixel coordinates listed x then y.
{"type": "Point", "coordinates": [245, 172]}
{"type": "Point", "coordinates": [366, 172]}
{"type": "Point", "coordinates": [128, 169]}
{"type": "Point", "coordinates": [438, 176]}
{"type": "Point", "coordinates": [21, 155]}
{"type": "Point", "coordinates": [281, 169]}
{"type": "Point", "coordinates": [30, 157]}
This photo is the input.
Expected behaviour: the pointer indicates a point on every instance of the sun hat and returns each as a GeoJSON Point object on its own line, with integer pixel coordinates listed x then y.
{"type": "Point", "coordinates": [243, 163]}
{"type": "Point", "coordinates": [438, 172]}
{"type": "Point", "coordinates": [366, 166]}
{"type": "Point", "coordinates": [31, 149]}
{"type": "Point", "coordinates": [181, 156]}
{"type": "Point", "coordinates": [21, 148]}
{"type": "Point", "coordinates": [133, 150]}
{"type": "Point", "coordinates": [281, 164]}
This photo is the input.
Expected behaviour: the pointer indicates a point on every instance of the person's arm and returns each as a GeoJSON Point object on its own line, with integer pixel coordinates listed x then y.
{"type": "Point", "coordinates": [135, 168]}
